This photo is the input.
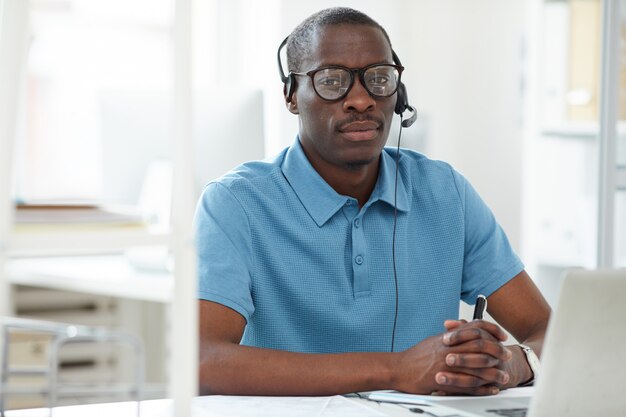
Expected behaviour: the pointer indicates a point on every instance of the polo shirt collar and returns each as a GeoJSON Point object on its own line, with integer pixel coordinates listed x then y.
{"type": "Point", "coordinates": [384, 189]}
{"type": "Point", "coordinates": [320, 200]}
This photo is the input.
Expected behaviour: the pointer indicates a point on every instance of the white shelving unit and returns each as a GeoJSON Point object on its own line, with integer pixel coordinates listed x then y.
{"type": "Point", "coordinates": [93, 272]}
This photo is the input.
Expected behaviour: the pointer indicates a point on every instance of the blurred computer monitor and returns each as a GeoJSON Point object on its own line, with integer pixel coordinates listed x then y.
{"type": "Point", "coordinates": [136, 129]}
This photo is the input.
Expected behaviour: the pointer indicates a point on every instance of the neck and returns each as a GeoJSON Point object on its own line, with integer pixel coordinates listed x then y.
{"type": "Point", "coordinates": [354, 181]}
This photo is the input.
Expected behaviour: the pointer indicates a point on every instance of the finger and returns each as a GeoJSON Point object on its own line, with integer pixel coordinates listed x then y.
{"type": "Point", "coordinates": [453, 324]}
{"type": "Point", "coordinates": [474, 330]}
{"type": "Point", "coordinates": [478, 391]}
{"type": "Point", "coordinates": [465, 334]}
{"type": "Point", "coordinates": [471, 360]}
{"type": "Point", "coordinates": [492, 328]}
{"type": "Point", "coordinates": [464, 383]}
{"type": "Point", "coordinates": [492, 376]}
{"type": "Point", "coordinates": [482, 346]}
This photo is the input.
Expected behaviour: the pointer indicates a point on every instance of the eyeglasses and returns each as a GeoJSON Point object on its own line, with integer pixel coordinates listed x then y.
{"type": "Point", "coordinates": [334, 82]}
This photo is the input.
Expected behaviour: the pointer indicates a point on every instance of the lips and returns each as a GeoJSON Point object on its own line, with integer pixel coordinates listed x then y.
{"type": "Point", "coordinates": [360, 130]}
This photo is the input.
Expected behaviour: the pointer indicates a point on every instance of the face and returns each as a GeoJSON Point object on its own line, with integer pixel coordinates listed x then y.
{"type": "Point", "coordinates": [348, 133]}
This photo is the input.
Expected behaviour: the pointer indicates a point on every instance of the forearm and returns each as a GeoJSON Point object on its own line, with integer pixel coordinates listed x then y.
{"type": "Point", "coordinates": [232, 369]}
{"type": "Point", "coordinates": [535, 339]}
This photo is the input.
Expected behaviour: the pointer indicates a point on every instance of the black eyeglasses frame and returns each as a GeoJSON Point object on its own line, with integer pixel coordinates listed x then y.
{"type": "Point", "coordinates": [352, 72]}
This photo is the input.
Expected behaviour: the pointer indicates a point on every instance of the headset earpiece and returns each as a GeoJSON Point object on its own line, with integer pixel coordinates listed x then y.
{"type": "Point", "coordinates": [290, 85]}
{"type": "Point", "coordinates": [402, 98]}
{"type": "Point", "coordinates": [402, 102]}
{"type": "Point", "coordinates": [402, 105]}
{"type": "Point", "coordinates": [288, 80]}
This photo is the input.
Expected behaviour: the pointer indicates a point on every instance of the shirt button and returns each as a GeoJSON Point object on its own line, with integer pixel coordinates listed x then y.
{"type": "Point", "coordinates": [349, 203]}
{"type": "Point", "coordinates": [357, 223]}
{"type": "Point", "coordinates": [358, 259]}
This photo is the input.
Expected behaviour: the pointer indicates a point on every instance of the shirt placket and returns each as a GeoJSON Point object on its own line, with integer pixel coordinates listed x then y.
{"type": "Point", "coordinates": [359, 258]}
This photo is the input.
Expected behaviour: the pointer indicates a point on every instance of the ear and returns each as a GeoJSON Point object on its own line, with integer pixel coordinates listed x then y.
{"type": "Point", "coordinates": [292, 105]}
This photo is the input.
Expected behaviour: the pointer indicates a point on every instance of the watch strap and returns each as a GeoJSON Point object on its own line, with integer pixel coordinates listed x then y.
{"type": "Point", "coordinates": [533, 363]}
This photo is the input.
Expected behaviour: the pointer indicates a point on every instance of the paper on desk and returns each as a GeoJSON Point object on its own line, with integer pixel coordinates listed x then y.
{"type": "Point", "coordinates": [400, 397]}
{"type": "Point", "coordinates": [227, 406]}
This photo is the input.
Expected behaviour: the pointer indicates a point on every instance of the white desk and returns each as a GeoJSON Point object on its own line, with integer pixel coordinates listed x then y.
{"type": "Point", "coordinates": [224, 406]}
{"type": "Point", "coordinates": [241, 406]}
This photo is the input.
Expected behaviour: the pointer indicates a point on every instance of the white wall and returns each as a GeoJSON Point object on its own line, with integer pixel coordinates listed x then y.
{"type": "Point", "coordinates": [466, 74]}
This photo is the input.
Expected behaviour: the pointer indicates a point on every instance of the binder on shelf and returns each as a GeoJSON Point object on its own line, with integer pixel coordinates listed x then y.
{"type": "Point", "coordinates": [60, 227]}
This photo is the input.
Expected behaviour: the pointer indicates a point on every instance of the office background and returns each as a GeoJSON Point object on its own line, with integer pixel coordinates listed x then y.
{"type": "Point", "coordinates": [507, 91]}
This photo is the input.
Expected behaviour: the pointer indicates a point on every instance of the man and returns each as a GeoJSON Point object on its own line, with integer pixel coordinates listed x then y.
{"type": "Point", "coordinates": [317, 277]}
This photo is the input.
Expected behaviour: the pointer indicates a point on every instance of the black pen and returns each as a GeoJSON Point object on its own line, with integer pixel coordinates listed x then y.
{"type": "Point", "coordinates": [418, 410]}
{"type": "Point", "coordinates": [480, 307]}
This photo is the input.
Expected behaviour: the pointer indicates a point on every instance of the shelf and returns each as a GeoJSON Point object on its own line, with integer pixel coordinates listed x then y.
{"type": "Point", "coordinates": [57, 240]}
{"type": "Point", "coordinates": [574, 130]}
{"type": "Point", "coordinates": [580, 130]}
{"type": "Point", "coordinates": [75, 390]}
{"type": "Point", "coordinates": [109, 275]}
{"type": "Point", "coordinates": [28, 370]}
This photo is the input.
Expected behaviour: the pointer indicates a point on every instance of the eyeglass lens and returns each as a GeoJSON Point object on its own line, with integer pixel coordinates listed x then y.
{"type": "Point", "coordinates": [333, 83]}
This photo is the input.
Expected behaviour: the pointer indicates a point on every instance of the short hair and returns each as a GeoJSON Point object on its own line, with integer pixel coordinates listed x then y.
{"type": "Point", "coordinates": [299, 41]}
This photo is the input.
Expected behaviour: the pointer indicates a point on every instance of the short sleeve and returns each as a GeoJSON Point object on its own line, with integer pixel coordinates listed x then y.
{"type": "Point", "coordinates": [223, 242]}
{"type": "Point", "coordinates": [489, 261]}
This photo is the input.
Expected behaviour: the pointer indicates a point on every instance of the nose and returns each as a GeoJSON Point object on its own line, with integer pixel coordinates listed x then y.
{"type": "Point", "coordinates": [358, 99]}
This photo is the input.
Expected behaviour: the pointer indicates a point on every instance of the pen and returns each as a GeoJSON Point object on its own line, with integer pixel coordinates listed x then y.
{"type": "Point", "coordinates": [418, 410]}
{"type": "Point", "coordinates": [480, 307]}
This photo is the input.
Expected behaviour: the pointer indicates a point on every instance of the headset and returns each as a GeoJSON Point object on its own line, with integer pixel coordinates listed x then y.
{"type": "Point", "coordinates": [402, 105]}
{"type": "Point", "coordinates": [402, 99]}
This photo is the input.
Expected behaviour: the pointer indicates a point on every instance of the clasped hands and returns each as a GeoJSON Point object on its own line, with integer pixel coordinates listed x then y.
{"type": "Point", "coordinates": [469, 359]}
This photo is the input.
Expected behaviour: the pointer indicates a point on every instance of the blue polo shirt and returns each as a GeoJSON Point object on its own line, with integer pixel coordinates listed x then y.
{"type": "Point", "coordinates": [311, 272]}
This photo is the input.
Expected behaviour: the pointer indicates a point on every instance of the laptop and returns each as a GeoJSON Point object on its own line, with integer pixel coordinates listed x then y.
{"type": "Point", "coordinates": [583, 362]}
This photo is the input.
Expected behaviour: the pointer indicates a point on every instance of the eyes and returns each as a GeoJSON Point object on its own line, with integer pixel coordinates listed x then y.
{"type": "Point", "coordinates": [338, 80]}
{"type": "Point", "coordinates": [377, 79]}
{"type": "Point", "coordinates": [330, 81]}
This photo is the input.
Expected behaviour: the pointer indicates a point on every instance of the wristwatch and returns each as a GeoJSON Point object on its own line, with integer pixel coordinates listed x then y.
{"type": "Point", "coordinates": [533, 362]}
